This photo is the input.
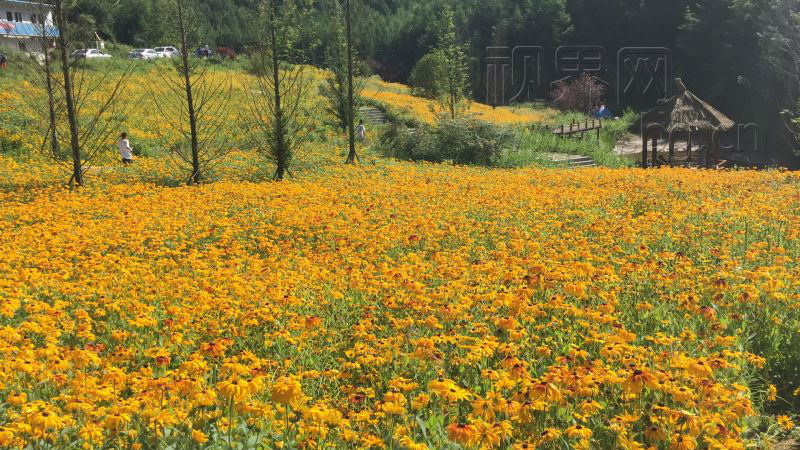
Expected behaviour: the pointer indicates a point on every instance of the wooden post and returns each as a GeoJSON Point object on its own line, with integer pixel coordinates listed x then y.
{"type": "Point", "coordinates": [599, 127]}
{"type": "Point", "coordinates": [655, 149]}
{"type": "Point", "coordinates": [644, 149]}
{"type": "Point", "coordinates": [671, 148]}
{"type": "Point", "coordinates": [562, 130]}
{"type": "Point", "coordinates": [689, 146]}
{"type": "Point", "coordinates": [712, 157]}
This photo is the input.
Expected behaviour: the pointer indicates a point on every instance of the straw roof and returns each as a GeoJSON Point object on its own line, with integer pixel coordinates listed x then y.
{"type": "Point", "coordinates": [685, 112]}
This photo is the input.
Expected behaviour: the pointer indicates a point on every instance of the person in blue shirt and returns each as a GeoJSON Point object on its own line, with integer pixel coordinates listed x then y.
{"type": "Point", "coordinates": [603, 113]}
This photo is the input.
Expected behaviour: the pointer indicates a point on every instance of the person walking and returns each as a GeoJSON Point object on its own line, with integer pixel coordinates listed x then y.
{"type": "Point", "coordinates": [361, 131]}
{"type": "Point", "coordinates": [125, 150]}
{"type": "Point", "coordinates": [3, 60]}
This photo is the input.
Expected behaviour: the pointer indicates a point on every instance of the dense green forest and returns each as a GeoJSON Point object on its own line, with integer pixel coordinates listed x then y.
{"type": "Point", "coordinates": [729, 52]}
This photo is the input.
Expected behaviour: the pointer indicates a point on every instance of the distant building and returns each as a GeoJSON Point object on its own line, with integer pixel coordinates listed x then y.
{"type": "Point", "coordinates": [21, 24]}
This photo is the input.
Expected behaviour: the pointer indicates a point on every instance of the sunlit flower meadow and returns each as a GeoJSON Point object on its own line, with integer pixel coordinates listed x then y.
{"type": "Point", "coordinates": [398, 98]}
{"type": "Point", "coordinates": [23, 107]}
{"type": "Point", "coordinates": [390, 305]}
{"type": "Point", "coordinates": [399, 306]}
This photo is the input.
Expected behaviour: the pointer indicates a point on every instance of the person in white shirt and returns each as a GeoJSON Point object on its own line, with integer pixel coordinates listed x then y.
{"type": "Point", "coordinates": [361, 131]}
{"type": "Point", "coordinates": [125, 149]}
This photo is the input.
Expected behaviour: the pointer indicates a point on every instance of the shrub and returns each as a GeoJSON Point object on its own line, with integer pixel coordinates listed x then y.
{"type": "Point", "coordinates": [579, 95]}
{"type": "Point", "coordinates": [428, 73]}
{"type": "Point", "coordinates": [226, 53]}
{"type": "Point", "coordinates": [463, 140]}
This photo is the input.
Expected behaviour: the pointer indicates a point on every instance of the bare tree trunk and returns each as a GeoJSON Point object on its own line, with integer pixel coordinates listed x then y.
{"type": "Point", "coordinates": [351, 156]}
{"type": "Point", "coordinates": [51, 103]}
{"type": "Point", "coordinates": [48, 73]}
{"type": "Point", "coordinates": [77, 170]}
{"type": "Point", "coordinates": [280, 132]}
{"type": "Point", "coordinates": [189, 99]}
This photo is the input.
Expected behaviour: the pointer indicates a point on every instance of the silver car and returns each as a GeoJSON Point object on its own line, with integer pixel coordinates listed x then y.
{"type": "Point", "coordinates": [166, 52]}
{"type": "Point", "coordinates": [90, 53]}
{"type": "Point", "coordinates": [143, 53]}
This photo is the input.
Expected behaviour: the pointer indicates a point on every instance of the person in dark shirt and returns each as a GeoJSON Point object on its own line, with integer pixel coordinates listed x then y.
{"type": "Point", "coordinates": [603, 113]}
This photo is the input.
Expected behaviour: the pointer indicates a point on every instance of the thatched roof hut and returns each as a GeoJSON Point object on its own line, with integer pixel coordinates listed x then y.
{"type": "Point", "coordinates": [683, 114]}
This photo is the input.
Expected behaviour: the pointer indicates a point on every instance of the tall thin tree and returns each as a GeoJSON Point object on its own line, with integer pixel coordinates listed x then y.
{"type": "Point", "coordinates": [336, 90]}
{"type": "Point", "coordinates": [352, 156]}
{"type": "Point", "coordinates": [780, 36]}
{"type": "Point", "coordinates": [43, 74]}
{"type": "Point", "coordinates": [77, 102]}
{"type": "Point", "coordinates": [193, 99]}
{"type": "Point", "coordinates": [452, 88]}
{"type": "Point", "coordinates": [279, 110]}
{"type": "Point", "coordinates": [69, 98]}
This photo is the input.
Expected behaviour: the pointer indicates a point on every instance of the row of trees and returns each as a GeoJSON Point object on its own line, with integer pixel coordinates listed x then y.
{"type": "Point", "coordinates": [82, 103]}
{"type": "Point", "coordinates": [726, 50]}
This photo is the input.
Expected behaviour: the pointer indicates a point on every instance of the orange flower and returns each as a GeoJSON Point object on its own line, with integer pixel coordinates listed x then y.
{"type": "Point", "coordinates": [461, 433]}
{"type": "Point", "coordinates": [638, 380]}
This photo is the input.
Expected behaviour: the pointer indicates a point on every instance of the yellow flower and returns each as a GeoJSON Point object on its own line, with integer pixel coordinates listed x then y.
{"type": "Point", "coordinates": [654, 434]}
{"type": "Point", "coordinates": [287, 391]}
{"type": "Point", "coordinates": [578, 432]}
{"type": "Point", "coordinates": [638, 380]}
{"type": "Point", "coordinates": [393, 409]}
{"type": "Point", "coordinates": [92, 433]}
{"type": "Point", "coordinates": [199, 437]}
{"type": "Point", "coordinates": [785, 422]}
{"type": "Point", "coordinates": [42, 419]}
{"type": "Point", "coordinates": [590, 407]}
{"type": "Point", "coordinates": [6, 437]}
{"type": "Point", "coordinates": [420, 401]}
{"type": "Point", "coordinates": [116, 420]}
{"type": "Point", "coordinates": [683, 442]}
{"type": "Point", "coordinates": [234, 388]}
{"type": "Point", "coordinates": [17, 399]}
{"type": "Point", "coordinates": [772, 393]}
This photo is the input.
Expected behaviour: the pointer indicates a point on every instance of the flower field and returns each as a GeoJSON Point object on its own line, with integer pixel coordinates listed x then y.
{"type": "Point", "coordinates": [400, 306]}
{"type": "Point", "coordinates": [398, 97]}
{"type": "Point", "coordinates": [139, 110]}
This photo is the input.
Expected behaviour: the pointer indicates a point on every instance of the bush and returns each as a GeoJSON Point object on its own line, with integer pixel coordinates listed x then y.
{"type": "Point", "coordinates": [578, 95]}
{"type": "Point", "coordinates": [427, 74]}
{"type": "Point", "coordinates": [463, 140]}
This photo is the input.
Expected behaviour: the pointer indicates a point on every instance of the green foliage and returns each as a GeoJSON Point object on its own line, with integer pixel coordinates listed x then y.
{"type": "Point", "coordinates": [451, 89]}
{"type": "Point", "coordinates": [428, 74]}
{"type": "Point", "coordinates": [278, 117]}
{"type": "Point", "coordinates": [462, 140]}
{"type": "Point", "coordinates": [779, 22]}
{"type": "Point", "coordinates": [534, 146]}
{"type": "Point", "coordinates": [335, 89]}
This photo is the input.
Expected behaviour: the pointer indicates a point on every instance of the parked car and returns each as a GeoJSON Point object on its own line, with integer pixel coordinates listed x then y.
{"type": "Point", "coordinates": [143, 53]}
{"type": "Point", "coordinates": [36, 56]}
{"type": "Point", "coordinates": [166, 52]}
{"type": "Point", "coordinates": [90, 53]}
